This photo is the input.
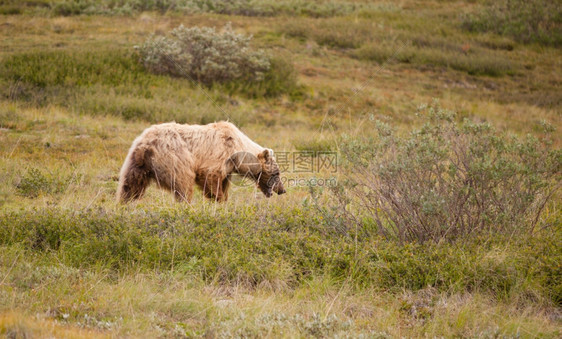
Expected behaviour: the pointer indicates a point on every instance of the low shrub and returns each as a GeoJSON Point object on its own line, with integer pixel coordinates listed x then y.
{"type": "Point", "coordinates": [283, 247]}
{"type": "Point", "coordinates": [70, 7]}
{"type": "Point", "coordinates": [281, 78]}
{"type": "Point", "coordinates": [14, 7]}
{"type": "Point", "coordinates": [204, 55]}
{"type": "Point", "coordinates": [35, 182]}
{"type": "Point", "coordinates": [526, 21]}
{"type": "Point", "coordinates": [10, 10]}
{"type": "Point", "coordinates": [112, 7]}
{"type": "Point", "coordinates": [315, 9]}
{"type": "Point", "coordinates": [448, 180]}
{"type": "Point", "coordinates": [210, 57]}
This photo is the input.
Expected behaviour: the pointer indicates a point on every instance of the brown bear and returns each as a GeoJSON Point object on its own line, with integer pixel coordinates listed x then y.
{"type": "Point", "coordinates": [177, 157]}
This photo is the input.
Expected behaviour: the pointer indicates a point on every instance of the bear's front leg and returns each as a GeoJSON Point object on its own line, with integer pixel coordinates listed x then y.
{"type": "Point", "coordinates": [213, 187]}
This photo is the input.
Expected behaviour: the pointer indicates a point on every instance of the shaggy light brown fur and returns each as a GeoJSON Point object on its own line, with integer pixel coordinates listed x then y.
{"type": "Point", "coordinates": [177, 157]}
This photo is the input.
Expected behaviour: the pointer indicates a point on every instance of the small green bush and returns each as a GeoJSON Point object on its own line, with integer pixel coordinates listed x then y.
{"type": "Point", "coordinates": [14, 7]}
{"type": "Point", "coordinates": [35, 182]}
{"type": "Point", "coordinates": [210, 57]}
{"type": "Point", "coordinates": [314, 145]}
{"type": "Point", "coordinates": [204, 55]}
{"type": "Point", "coordinates": [281, 78]}
{"type": "Point", "coordinates": [448, 181]}
{"type": "Point", "coordinates": [70, 7]}
{"type": "Point", "coordinates": [10, 10]}
{"type": "Point", "coordinates": [524, 20]}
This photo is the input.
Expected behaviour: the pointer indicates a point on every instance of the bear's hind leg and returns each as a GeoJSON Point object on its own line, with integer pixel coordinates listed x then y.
{"type": "Point", "coordinates": [133, 184]}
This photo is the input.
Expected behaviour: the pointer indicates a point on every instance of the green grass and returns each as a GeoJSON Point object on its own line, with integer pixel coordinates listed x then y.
{"type": "Point", "coordinates": [229, 249]}
{"type": "Point", "coordinates": [314, 145]}
{"type": "Point", "coordinates": [264, 8]}
{"type": "Point", "coordinates": [534, 21]}
{"type": "Point", "coordinates": [237, 247]}
{"type": "Point", "coordinates": [95, 302]}
{"type": "Point", "coordinates": [471, 62]}
{"type": "Point", "coordinates": [281, 79]}
{"type": "Point", "coordinates": [366, 40]}
{"type": "Point", "coordinates": [75, 68]}
{"type": "Point", "coordinates": [341, 33]}
{"type": "Point", "coordinates": [59, 76]}
{"type": "Point", "coordinates": [113, 82]}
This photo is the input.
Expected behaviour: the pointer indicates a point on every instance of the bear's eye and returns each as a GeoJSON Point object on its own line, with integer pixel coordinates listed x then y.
{"type": "Point", "coordinates": [272, 180]}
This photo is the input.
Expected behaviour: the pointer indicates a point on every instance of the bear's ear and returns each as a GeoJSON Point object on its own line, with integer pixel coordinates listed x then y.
{"type": "Point", "coordinates": [264, 155]}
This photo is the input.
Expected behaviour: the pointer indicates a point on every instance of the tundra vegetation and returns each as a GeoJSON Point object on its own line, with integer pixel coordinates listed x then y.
{"type": "Point", "coordinates": [445, 220]}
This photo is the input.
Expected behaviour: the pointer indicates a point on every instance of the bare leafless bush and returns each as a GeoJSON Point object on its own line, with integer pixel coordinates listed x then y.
{"type": "Point", "coordinates": [447, 180]}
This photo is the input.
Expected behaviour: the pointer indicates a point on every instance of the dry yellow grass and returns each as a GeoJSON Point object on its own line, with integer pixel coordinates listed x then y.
{"type": "Point", "coordinates": [19, 325]}
{"type": "Point", "coordinates": [171, 304]}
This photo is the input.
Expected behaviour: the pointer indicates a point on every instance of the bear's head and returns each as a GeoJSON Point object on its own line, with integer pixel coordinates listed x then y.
{"type": "Point", "coordinates": [269, 180]}
{"type": "Point", "coordinates": [263, 169]}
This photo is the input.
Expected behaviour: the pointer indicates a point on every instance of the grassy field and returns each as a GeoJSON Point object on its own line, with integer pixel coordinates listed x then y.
{"type": "Point", "coordinates": [73, 96]}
